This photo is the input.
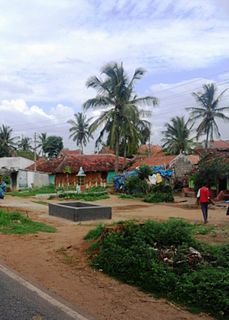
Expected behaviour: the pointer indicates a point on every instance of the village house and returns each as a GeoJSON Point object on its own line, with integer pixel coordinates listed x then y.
{"type": "Point", "coordinates": [63, 170]}
{"type": "Point", "coordinates": [20, 177]}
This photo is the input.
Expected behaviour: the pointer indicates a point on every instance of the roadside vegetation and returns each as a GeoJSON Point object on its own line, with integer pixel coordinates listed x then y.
{"type": "Point", "coordinates": [90, 194]}
{"type": "Point", "coordinates": [166, 259]}
{"type": "Point", "coordinates": [138, 187]}
{"type": "Point", "coordinates": [16, 223]}
{"type": "Point", "coordinates": [30, 192]}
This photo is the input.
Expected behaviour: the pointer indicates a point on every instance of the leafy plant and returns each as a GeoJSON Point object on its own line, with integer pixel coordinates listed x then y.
{"type": "Point", "coordinates": [159, 197]}
{"type": "Point", "coordinates": [135, 185]}
{"type": "Point", "coordinates": [94, 233]}
{"type": "Point", "coordinates": [84, 196]}
{"type": "Point", "coordinates": [165, 259]}
{"type": "Point", "coordinates": [210, 171]}
{"type": "Point", "coordinates": [144, 171]}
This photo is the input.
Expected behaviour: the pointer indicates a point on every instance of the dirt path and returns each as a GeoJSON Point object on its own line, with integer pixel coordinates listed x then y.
{"type": "Point", "coordinates": [58, 261]}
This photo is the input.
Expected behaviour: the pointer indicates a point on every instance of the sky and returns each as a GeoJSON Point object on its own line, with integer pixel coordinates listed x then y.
{"type": "Point", "coordinates": [49, 48]}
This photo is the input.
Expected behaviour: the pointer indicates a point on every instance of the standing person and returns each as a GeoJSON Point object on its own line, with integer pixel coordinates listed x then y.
{"type": "Point", "coordinates": [203, 196]}
{"type": "Point", "coordinates": [2, 188]}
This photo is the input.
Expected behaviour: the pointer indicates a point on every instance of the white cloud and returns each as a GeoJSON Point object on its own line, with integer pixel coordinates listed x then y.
{"type": "Point", "coordinates": [50, 48]}
{"type": "Point", "coordinates": [176, 97]}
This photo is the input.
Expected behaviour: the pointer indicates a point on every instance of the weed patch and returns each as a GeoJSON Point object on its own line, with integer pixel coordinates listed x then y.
{"type": "Point", "coordinates": [16, 223]}
{"type": "Point", "coordinates": [165, 259]}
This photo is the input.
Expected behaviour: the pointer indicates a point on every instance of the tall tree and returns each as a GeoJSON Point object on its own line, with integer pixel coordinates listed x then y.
{"type": "Point", "coordinates": [7, 142]}
{"type": "Point", "coordinates": [207, 111]}
{"type": "Point", "coordinates": [176, 136]}
{"type": "Point", "coordinates": [118, 101]}
{"type": "Point", "coordinates": [24, 144]}
{"type": "Point", "coordinates": [80, 130]}
{"type": "Point", "coordinates": [53, 146]}
{"type": "Point", "coordinates": [41, 142]}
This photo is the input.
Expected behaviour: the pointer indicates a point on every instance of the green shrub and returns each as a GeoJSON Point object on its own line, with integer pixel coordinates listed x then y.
{"type": "Point", "coordinates": [94, 233]}
{"type": "Point", "coordinates": [159, 197]}
{"type": "Point", "coordinates": [96, 189]}
{"type": "Point", "coordinates": [84, 196]}
{"type": "Point", "coordinates": [206, 288]}
{"type": "Point", "coordinates": [134, 185]}
{"type": "Point", "coordinates": [162, 187]}
{"type": "Point", "coordinates": [160, 192]}
{"type": "Point", "coordinates": [144, 171]}
{"type": "Point", "coordinates": [209, 172]}
{"type": "Point", "coordinates": [157, 257]}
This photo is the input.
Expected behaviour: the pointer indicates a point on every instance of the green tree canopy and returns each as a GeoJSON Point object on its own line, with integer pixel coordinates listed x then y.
{"type": "Point", "coordinates": [176, 136]}
{"type": "Point", "coordinates": [42, 141]}
{"type": "Point", "coordinates": [7, 142]}
{"type": "Point", "coordinates": [119, 105]}
{"type": "Point", "coordinates": [80, 130]}
{"type": "Point", "coordinates": [207, 111]}
{"type": "Point", "coordinates": [24, 144]}
{"type": "Point", "coordinates": [53, 145]}
{"type": "Point", "coordinates": [210, 171]}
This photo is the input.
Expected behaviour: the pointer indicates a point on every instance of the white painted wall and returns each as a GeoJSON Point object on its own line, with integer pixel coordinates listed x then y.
{"type": "Point", "coordinates": [37, 179]}
{"type": "Point", "coordinates": [29, 179]}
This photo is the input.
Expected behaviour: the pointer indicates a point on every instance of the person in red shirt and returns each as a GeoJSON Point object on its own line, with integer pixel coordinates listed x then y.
{"type": "Point", "coordinates": [203, 196]}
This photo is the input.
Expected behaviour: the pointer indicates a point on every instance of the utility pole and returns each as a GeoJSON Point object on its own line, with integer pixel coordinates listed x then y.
{"type": "Point", "coordinates": [35, 152]}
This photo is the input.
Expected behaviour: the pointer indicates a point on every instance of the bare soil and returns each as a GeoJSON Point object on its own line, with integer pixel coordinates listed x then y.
{"type": "Point", "coordinates": [59, 263]}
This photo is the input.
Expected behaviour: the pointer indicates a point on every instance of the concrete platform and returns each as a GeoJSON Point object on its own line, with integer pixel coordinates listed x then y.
{"type": "Point", "coordinates": [80, 211]}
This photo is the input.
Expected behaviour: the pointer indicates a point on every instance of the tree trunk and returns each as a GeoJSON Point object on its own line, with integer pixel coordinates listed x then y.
{"type": "Point", "coordinates": [117, 154]}
{"type": "Point", "coordinates": [81, 148]}
{"type": "Point", "coordinates": [124, 154]}
{"type": "Point", "coordinates": [206, 141]}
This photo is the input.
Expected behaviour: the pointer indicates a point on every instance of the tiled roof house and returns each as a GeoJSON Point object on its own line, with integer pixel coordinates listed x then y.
{"type": "Point", "coordinates": [97, 167]}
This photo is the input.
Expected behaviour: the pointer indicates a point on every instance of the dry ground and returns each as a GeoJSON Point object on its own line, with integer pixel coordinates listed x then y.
{"type": "Point", "coordinates": [58, 262]}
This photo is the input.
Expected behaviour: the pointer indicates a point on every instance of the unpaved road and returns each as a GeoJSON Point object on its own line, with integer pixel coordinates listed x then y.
{"type": "Point", "coordinates": [58, 261]}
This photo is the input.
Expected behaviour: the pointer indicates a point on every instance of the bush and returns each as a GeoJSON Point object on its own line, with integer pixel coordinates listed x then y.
{"type": "Point", "coordinates": [209, 172]}
{"type": "Point", "coordinates": [159, 197]}
{"type": "Point", "coordinates": [162, 187]}
{"type": "Point", "coordinates": [84, 196]}
{"type": "Point", "coordinates": [158, 257]}
{"type": "Point", "coordinates": [144, 171]}
{"type": "Point", "coordinates": [134, 185]}
{"type": "Point", "coordinates": [160, 192]}
{"type": "Point", "coordinates": [96, 189]}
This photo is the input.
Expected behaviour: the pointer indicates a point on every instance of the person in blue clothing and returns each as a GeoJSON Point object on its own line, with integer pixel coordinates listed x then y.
{"type": "Point", "coordinates": [2, 188]}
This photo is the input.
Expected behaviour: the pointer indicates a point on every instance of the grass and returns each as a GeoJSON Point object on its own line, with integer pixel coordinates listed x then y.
{"type": "Point", "coordinates": [16, 223]}
{"type": "Point", "coordinates": [33, 191]}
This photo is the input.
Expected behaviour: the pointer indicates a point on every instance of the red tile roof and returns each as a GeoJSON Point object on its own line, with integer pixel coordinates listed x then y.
{"type": "Point", "coordinates": [219, 144]}
{"type": "Point", "coordinates": [106, 150]}
{"type": "Point", "coordinates": [153, 161]}
{"type": "Point", "coordinates": [162, 160]}
{"type": "Point", "coordinates": [150, 148]}
{"type": "Point", "coordinates": [66, 152]}
{"type": "Point", "coordinates": [90, 163]}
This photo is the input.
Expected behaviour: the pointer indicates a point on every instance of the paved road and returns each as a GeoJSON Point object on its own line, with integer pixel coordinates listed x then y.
{"type": "Point", "coordinates": [19, 300]}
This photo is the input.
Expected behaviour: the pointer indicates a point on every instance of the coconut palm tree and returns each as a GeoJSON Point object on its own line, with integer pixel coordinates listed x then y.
{"type": "Point", "coordinates": [118, 103]}
{"type": "Point", "coordinates": [25, 144]}
{"type": "Point", "coordinates": [207, 111]}
{"type": "Point", "coordinates": [7, 142]}
{"type": "Point", "coordinates": [176, 136]}
{"type": "Point", "coordinates": [80, 130]}
{"type": "Point", "coordinates": [42, 138]}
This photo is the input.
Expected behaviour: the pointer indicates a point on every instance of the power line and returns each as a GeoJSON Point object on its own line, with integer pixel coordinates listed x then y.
{"type": "Point", "coordinates": [169, 98]}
